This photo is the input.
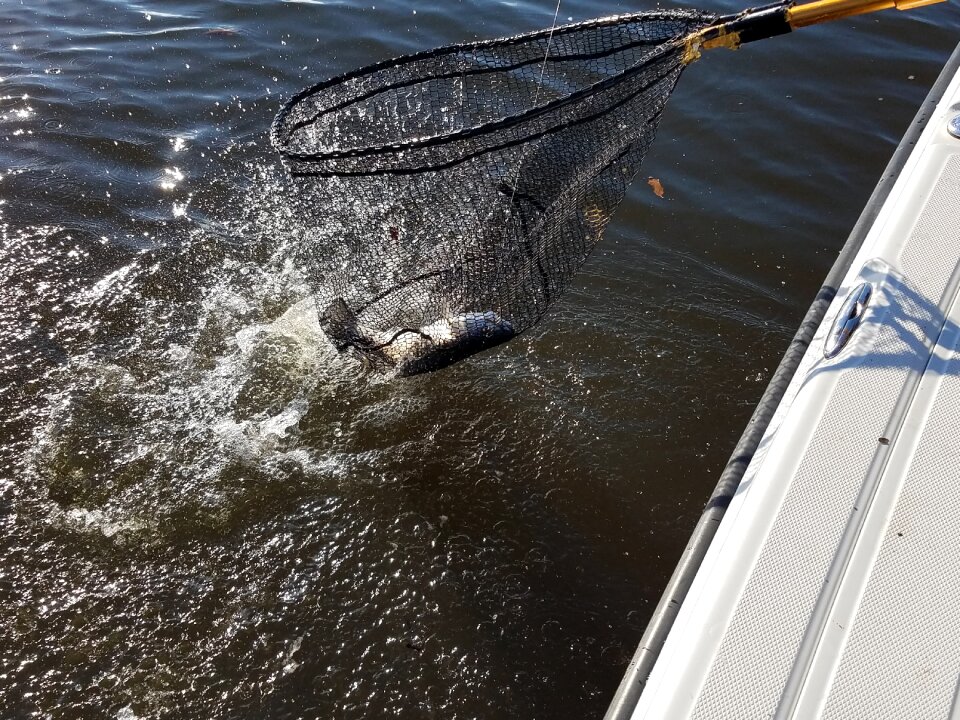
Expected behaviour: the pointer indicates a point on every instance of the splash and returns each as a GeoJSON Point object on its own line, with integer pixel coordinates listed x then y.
{"type": "Point", "coordinates": [183, 411]}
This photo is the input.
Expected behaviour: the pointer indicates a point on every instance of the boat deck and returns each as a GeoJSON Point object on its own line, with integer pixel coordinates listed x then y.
{"type": "Point", "coordinates": [832, 586]}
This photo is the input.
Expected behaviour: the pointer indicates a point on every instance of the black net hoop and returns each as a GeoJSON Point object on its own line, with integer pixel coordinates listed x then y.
{"type": "Point", "coordinates": [459, 190]}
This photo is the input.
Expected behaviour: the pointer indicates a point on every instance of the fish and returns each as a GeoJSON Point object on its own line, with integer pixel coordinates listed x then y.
{"type": "Point", "coordinates": [407, 351]}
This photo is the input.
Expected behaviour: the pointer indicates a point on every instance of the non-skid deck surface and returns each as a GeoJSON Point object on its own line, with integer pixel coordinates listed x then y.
{"type": "Point", "coordinates": [902, 655]}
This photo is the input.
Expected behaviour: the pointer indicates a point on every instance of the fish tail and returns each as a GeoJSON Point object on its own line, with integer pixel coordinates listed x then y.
{"type": "Point", "coordinates": [339, 323]}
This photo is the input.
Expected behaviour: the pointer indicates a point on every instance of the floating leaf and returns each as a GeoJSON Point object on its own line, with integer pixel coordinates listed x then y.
{"type": "Point", "coordinates": [656, 185]}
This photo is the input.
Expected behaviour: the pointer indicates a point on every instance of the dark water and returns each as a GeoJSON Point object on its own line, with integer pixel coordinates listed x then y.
{"type": "Point", "coordinates": [204, 513]}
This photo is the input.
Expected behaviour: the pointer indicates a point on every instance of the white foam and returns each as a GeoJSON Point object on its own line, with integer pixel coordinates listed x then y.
{"type": "Point", "coordinates": [96, 520]}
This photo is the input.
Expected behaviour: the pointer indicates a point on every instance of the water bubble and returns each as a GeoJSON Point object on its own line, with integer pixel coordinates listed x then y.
{"type": "Point", "coordinates": [82, 97]}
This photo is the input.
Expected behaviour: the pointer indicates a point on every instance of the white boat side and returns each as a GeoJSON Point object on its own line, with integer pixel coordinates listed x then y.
{"type": "Point", "coordinates": [831, 588]}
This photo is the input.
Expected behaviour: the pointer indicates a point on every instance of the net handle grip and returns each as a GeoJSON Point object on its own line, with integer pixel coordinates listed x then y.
{"type": "Point", "coordinates": [732, 31]}
{"type": "Point", "coordinates": [799, 16]}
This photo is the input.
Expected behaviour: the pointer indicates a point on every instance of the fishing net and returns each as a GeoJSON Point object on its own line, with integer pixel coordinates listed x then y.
{"type": "Point", "coordinates": [458, 191]}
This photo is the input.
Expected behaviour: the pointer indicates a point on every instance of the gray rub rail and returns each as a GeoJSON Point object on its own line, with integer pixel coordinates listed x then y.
{"type": "Point", "coordinates": [628, 693]}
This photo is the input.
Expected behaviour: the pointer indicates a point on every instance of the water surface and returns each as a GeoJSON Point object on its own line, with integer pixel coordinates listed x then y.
{"type": "Point", "coordinates": [205, 513]}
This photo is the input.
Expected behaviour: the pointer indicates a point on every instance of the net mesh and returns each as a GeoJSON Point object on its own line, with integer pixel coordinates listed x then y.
{"type": "Point", "coordinates": [459, 190]}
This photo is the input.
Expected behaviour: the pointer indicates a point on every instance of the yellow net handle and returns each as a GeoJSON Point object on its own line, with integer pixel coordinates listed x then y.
{"type": "Point", "coordinates": [800, 16]}
{"type": "Point", "coordinates": [763, 22]}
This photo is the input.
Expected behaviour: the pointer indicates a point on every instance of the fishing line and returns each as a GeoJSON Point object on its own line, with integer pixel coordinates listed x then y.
{"type": "Point", "coordinates": [536, 98]}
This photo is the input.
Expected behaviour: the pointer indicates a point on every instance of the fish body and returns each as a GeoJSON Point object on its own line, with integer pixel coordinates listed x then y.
{"type": "Point", "coordinates": [411, 351]}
